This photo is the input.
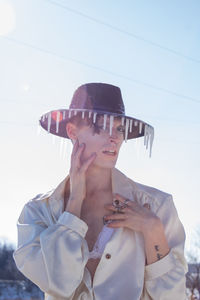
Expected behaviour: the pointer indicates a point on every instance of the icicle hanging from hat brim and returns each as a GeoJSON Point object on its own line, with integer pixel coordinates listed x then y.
{"type": "Point", "coordinates": [111, 124]}
{"type": "Point", "coordinates": [90, 114]}
{"type": "Point", "coordinates": [57, 121]}
{"type": "Point", "coordinates": [61, 146]}
{"type": "Point", "coordinates": [83, 114]}
{"type": "Point", "coordinates": [104, 121]}
{"type": "Point", "coordinates": [147, 136]}
{"type": "Point", "coordinates": [94, 117]}
{"type": "Point", "coordinates": [49, 122]}
{"type": "Point", "coordinates": [140, 128]}
{"type": "Point", "coordinates": [131, 125]}
{"type": "Point", "coordinates": [75, 112]}
{"type": "Point", "coordinates": [69, 115]}
{"type": "Point", "coordinates": [122, 121]}
{"type": "Point", "coordinates": [151, 140]}
{"type": "Point", "coordinates": [64, 115]}
{"type": "Point", "coordinates": [126, 129]}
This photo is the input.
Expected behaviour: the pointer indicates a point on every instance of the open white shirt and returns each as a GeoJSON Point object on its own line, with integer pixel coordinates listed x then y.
{"type": "Point", "coordinates": [53, 253]}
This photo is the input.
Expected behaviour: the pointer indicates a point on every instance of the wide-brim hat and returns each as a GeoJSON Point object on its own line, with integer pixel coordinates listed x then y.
{"type": "Point", "coordinates": [93, 99]}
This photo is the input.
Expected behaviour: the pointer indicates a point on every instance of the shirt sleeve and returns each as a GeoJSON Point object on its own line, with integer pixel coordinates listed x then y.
{"type": "Point", "coordinates": [53, 257]}
{"type": "Point", "coordinates": [165, 279]}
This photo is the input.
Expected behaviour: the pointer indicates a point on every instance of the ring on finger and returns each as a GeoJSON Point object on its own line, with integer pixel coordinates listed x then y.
{"type": "Point", "coordinates": [119, 209]}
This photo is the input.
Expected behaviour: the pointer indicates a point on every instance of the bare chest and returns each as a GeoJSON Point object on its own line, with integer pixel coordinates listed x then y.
{"type": "Point", "coordinates": [93, 216]}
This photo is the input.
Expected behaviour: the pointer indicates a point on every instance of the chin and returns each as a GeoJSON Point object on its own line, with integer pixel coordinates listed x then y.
{"type": "Point", "coordinates": [105, 164]}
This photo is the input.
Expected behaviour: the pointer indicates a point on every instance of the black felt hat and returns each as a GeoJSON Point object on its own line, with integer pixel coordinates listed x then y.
{"type": "Point", "coordinates": [94, 99]}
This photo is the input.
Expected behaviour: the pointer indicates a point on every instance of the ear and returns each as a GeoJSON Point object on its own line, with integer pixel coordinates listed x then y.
{"type": "Point", "coordinates": [71, 131]}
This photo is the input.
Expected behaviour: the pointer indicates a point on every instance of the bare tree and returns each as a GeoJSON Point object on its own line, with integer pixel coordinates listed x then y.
{"type": "Point", "coordinates": [193, 258]}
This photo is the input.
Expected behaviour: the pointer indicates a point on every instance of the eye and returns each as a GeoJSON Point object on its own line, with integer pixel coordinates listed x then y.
{"type": "Point", "coordinates": [121, 129]}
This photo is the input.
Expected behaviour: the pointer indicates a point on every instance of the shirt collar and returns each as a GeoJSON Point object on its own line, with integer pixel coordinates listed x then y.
{"type": "Point", "coordinates": [120, 185]}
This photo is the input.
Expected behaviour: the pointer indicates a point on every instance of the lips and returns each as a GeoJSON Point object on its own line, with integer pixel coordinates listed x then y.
{"type": "Point", "coordinates": [110, 152]}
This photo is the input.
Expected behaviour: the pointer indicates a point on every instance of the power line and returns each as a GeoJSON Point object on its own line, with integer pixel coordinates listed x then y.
{"type": "Point", "coordinates": [146, 84]}
{"type": "Point", "coordinates": [133, 35]}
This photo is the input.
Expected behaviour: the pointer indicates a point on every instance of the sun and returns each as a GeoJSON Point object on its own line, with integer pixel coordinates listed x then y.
{"type": "Point", "coordinates": [7, 18]}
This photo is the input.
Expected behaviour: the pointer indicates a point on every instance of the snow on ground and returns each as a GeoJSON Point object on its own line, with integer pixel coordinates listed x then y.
{"type": "Point", "coordinates": [19, 290]}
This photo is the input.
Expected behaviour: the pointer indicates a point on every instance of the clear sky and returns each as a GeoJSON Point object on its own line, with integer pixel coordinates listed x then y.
{"type": "Point", "coordinates": [151, 49]}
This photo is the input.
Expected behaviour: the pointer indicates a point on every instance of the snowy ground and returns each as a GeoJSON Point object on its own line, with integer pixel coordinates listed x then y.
{"type": "Point", "coordinates": [19, 290]}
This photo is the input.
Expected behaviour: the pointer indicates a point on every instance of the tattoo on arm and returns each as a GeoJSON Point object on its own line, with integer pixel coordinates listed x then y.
{"type": "Point", "coordinates": [159, 255]}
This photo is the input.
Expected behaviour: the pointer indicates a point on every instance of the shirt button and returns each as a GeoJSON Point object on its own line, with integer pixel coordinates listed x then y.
{"type": "Point", "coordinates": [108, 256]}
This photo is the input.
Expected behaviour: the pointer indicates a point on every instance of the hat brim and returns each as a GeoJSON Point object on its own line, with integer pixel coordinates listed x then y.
{"type": "Point", "coordinates": [55, 122]}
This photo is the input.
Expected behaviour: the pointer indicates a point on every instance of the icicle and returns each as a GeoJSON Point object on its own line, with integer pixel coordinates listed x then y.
{"type": "Point", "coordinates": [151, 140]}
{"type": "Point", "coordinates": [83, 114]}
{"type": "Point", "coordinates": [122, 121]}
{"type": "Point", "coordinates": [147, 137]}
{"type": "Point", "coordinates": [131, 125]}
{"type": "Point", "coordinates": [75, 112]}
{"type": "Point", "coordinates": [140, 128]}
{"type": "Point", "coordinates": [136, 123]}
{"type": "Point", "coordinates": [61, 146]}
{"type": "Point", "coordinates": [104, 121]}
{"type": "Point", "coordinates": [57, 121]}
{"type": "Point", "coordinates": [63, 115]}
{"type": "Point", "coordinates": [90, 113]}
{"type": "Point", "coordinates": [43, 117]}
{"type": "Point", "coordinates": [94, 117]}
{"type": "Point", "coordinates": [111, 124]}
{"type": "Point", "coordinates": [145, 134]}
{"type": "Point", "coordinates": [64, 148]}
{"type": "Point", "coordinates": [126, 129]}
{"type": "Point", "coordinates": [49, 122]}
{"type": "Point", "coordinates": [70, 113]}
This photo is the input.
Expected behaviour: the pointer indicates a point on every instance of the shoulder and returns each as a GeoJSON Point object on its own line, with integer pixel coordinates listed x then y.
{"type": "Point", "coordinates": [41, 197]}
{"type": "Point", "coordinates": [148, 194]}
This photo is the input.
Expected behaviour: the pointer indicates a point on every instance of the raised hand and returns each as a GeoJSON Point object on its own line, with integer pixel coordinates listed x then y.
{"type": "Point", "coordinates": [78, 178]}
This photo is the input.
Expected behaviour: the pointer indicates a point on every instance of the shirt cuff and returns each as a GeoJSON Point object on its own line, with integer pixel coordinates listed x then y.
{"type": "Point", "coordinates": [73, 222]}
{"type": "Point", "coordinates": [160, 267]}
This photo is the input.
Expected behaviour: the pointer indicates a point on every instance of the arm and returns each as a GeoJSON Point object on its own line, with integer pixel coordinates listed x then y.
{"type": "Point", "coordinates": [164, 239]}
{"type": "Point", "coordinates": [165, 278]}
{"type": "Point", "coordinates": [52, 257]}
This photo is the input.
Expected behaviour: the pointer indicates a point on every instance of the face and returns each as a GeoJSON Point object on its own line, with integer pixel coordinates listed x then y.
{"type": "Point", "coordinates": [98, 140]}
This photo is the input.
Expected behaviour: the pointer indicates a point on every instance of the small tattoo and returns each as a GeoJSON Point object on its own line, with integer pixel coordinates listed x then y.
{"type": "Point", "coordinates": [159, 256]}
{"type": "Point", "coordinates": [157, 248]}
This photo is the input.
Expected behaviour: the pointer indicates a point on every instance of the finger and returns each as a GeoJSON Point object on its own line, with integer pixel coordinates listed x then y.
{"type": "Point", "coordinates": [114, 209]}
{"type": "Point", "coordinates": [116, 224]}
{"type": "Point", "coordinates": [116, 216]}
{"type": "Point", "coordinates": [86, 163]}
{"type": "Point", "coordinates": [75, 147]}
{"type": "Point", "coordinates": [79, 151]}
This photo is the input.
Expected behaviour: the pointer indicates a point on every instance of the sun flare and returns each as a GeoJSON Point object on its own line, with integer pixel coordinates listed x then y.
{"type": "Point", "coordinates": [7, 18]}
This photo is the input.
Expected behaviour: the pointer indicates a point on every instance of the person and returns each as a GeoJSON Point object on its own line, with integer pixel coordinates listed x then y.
{"type": "Point", "coordinates": [100, 235]}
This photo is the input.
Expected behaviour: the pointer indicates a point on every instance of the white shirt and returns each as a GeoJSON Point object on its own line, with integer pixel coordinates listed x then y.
{"type": "Point", "coordinates": [53, 253]}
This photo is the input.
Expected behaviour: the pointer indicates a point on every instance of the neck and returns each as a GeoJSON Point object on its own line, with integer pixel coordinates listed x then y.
{"type": "Point", "coordinates": [98, 179]}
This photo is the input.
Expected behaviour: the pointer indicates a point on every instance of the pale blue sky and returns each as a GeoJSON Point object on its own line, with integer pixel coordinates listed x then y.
{"type": "Point", "coordinates": [51, 50]}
